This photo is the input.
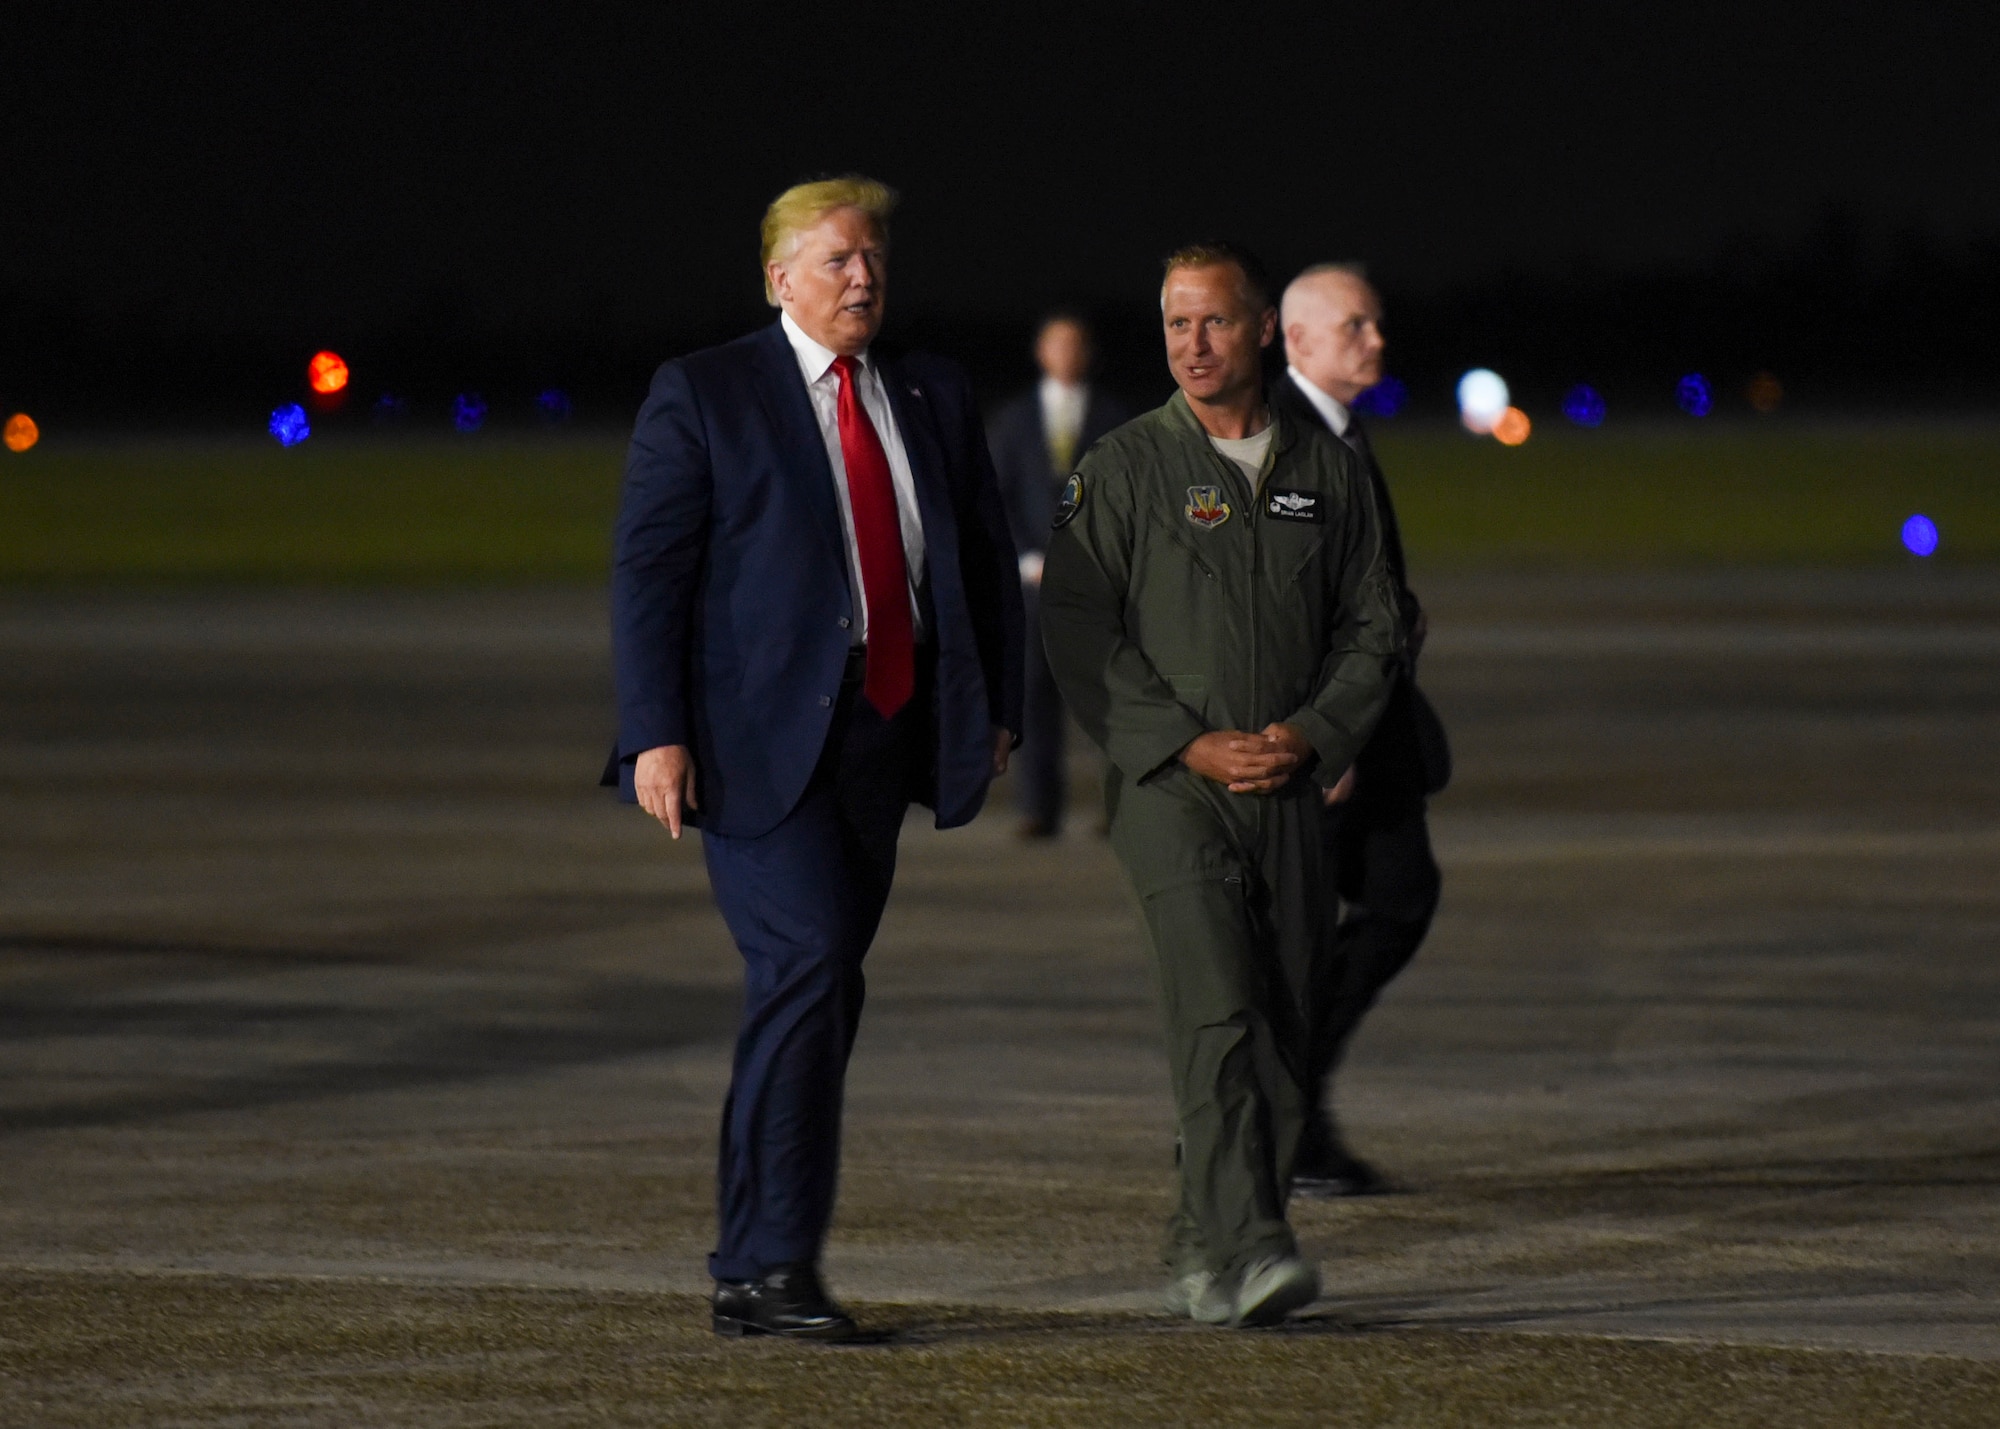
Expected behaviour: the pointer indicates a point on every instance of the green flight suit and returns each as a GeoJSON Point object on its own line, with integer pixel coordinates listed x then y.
{"type": "Point", "coordinates": [1176, 600]}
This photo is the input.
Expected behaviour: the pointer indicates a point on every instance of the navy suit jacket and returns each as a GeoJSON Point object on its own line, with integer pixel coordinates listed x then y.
{"type": "Point", "coordinates": [730, 609]}
{"type": "Point", "coordinates": [1029, 482]}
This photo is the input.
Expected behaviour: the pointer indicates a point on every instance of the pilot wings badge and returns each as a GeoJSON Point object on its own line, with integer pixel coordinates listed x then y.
{"type": "Point", "coordinates": [1295, 506]}
{"type": "Point", "coordinates": [1205, 507]}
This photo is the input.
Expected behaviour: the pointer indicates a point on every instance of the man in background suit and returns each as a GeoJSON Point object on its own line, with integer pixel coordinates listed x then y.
{"type": "Point", "coordinates": [1037, 439]}
{"type": "Point", "coordinates": [816, 621]}
{"type": "Point", "coordinates": [1377, 840]}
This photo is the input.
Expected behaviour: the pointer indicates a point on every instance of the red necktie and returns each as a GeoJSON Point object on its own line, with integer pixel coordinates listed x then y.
{"type": "Point", "coordinates": [878, 533]}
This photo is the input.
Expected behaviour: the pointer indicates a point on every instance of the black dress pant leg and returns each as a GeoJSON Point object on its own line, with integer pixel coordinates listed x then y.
{"type": "Point", "coordinates": [803, 902]}
{"type": "Point", "coordinates": [1040, 774]}
{"type": "Point", "coordinates": [1377, 849]}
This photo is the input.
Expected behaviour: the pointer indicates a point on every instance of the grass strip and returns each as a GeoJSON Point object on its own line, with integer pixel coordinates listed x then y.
{"type": "Point", "coordinates": [520, 509]}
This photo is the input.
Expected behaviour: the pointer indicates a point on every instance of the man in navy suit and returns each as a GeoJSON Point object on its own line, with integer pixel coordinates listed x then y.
{"type": "Point", "coordinates": [1037, 440]}
{"type": "Point", "coordinates": [816, 621]}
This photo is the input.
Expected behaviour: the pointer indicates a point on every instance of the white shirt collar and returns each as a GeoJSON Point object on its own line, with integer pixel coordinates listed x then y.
{"type": "Point", "coordinates": [1332, 409]}
{"type": "Point", "coordinates": [814, 357]}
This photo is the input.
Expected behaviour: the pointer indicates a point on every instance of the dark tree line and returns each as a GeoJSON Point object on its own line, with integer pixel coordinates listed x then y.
{"type": "Point", "coordinates": [1847, 319]}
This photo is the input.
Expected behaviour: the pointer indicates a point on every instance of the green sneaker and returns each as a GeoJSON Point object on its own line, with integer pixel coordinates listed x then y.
{"type": "Point", "coordinates": [1272, 1288]}
{"type": "Point", "coordinates": [1199, 1296]}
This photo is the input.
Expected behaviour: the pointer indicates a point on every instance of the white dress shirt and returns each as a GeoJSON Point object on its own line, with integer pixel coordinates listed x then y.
{"type": "Point", "coordinates": [823, 386]}
{"type": "Point", "coordinates": [1062, 413]}
{"type": "Point", "coordinates": [1331, 410]}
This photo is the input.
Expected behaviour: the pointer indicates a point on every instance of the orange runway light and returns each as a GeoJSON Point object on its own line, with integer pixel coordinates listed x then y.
{"type": "Point", "coordinates": [1766, 392]}
{"type": "Point", "coordinates": [327, 372]}
{"type": "Point", "coordinates": [21, 432]}
{"type": "Point", "coordinates": [1513, 427]}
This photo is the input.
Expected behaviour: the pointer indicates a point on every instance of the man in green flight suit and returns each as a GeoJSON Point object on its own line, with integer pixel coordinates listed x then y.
{"type": "Point", "coordinates": [1220, 617]}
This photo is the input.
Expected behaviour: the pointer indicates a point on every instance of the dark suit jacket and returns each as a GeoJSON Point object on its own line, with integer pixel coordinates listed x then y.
{"type": "Point", "coordinates": [1285, 395]}
{"type": "Point", "coordinates": [1029, 482]}
{"type": "Point", "coordinates": [730, 607]}
{"type": "Point", "coordinates": [1408, 755]}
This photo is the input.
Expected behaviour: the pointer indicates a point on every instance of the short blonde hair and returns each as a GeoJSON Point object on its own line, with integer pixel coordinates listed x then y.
{"type": "Point", "coordinates": [1220, 252]}
{"type": "Point", "coordinates": [802, 205]}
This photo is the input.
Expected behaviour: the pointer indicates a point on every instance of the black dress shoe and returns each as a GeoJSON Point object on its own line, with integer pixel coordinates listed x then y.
{"type": "Point", "coordinates": [788, 1301]}
{"type": "Point", "coordinates": [1341, 1174]}
{"type": "Point", "coordinates": [1326, 1168]}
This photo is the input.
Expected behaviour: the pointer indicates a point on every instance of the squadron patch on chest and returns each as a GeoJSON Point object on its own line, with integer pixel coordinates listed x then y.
{"type": "Point", "coordinates": [1069, 503]}
{"type": "Point", "coordinates": [1205, 507]}
{"type": "Point", "coordinates": [1307, 506]}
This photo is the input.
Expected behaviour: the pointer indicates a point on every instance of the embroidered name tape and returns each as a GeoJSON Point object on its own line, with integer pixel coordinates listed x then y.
{"type": "Point", "coordinates": [1308, 506]}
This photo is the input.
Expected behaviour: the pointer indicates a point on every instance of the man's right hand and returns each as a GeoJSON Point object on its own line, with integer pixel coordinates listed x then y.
{"type": "Point", "coordinates": [1247, 763]}
{"type": "Point", "coordinates": [664, 779]}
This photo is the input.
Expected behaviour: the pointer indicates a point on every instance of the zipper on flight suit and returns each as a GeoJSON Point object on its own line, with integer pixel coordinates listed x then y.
{"type": "Point", "coordinates": [1233, 476]}
{"type": "Point", "coordinates": [1256, 514]}
{"type": "Point", "coordinates": [1252, 514]}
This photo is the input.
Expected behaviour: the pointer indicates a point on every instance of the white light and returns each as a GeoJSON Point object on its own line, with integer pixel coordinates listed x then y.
{"type": "Point", "coordinates": [1482, 399]}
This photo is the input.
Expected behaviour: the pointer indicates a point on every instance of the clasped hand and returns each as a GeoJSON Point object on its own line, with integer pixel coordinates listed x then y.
{"type": "Point", "coordinates": [1248, 763]}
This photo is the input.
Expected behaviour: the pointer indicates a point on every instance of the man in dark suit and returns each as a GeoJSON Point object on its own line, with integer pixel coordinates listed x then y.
{"type": "Point", "coordinates": [1037, 440]}
{"type": "Point", "coordinates": [1377, 844]}
{"type": "Point", "coordinates": [816, 621]}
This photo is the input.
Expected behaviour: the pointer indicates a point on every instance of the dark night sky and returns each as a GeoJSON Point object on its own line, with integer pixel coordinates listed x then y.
{"type": "Point", "coordinates": [596, 167]}
{"type": "Point", "coordinates": [544, 158]}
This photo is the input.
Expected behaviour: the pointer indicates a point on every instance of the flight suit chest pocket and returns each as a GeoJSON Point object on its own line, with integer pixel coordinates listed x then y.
{"type": "Point", "coordinates": [1298, 558]}
{"type": "Point", "coordinates": [1187, 546]}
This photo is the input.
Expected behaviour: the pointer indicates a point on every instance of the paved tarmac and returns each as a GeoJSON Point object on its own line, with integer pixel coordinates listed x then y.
{"type": "Point", "coordinates": [320, 955]}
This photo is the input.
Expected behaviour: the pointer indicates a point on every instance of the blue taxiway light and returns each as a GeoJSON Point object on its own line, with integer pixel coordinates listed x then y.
{"type": "Point", "coordinates": [1694, 395]}
{"type": "Point", "coordinates": [1582, 405]}
{"type": "Point", "coordinates": [289, 425]}
{"type": "Point", "coordinates": [468, 411]}
{"type": "Point", "coordinates": [1920, 535]}
{"type": "Point", "coordinates": [1385, 399]}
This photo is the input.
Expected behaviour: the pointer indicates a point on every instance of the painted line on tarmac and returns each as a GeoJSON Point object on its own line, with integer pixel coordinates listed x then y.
{"type": "Point", "coordinates": [568, 625]}
{"type": "Point", "coordinates": [164, 638]}
{"type": "Point", "coordinates": [1463, 851]}
{"type": "Point", "coordinates": [1740, 639]}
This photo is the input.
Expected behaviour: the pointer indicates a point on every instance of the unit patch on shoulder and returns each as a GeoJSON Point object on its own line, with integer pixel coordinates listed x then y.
{"type": "Point", "coordinates": [1296, 506]}
{"type": "Point", "coordinates": [1069, 503]}
{"type": "Point", "coordinates": [1205, 507]}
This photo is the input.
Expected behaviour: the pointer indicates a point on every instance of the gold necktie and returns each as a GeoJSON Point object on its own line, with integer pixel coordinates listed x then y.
{"type": "Point", "coordinates": [1062, 447]}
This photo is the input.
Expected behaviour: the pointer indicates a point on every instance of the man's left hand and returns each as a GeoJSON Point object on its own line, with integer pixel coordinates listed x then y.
{"type": "Point", "coordinates": [1283, 739]}
{"type": "Point", "coordinates": [1003, 745]}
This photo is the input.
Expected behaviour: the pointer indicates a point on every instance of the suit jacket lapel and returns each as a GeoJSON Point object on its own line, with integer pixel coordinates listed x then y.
{"type": "Point", "coordinates": [915, 420]}
{"type": "Point", "coordinates": [782, 389]}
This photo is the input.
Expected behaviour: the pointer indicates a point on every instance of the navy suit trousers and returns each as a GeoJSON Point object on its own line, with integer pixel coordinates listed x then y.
{"type": "Point", "coordinates": [1377, 850]}
{"type": "Point", "coordinates": [802, 902]}
{"type": "Point", "coordinates": [1040, 775]}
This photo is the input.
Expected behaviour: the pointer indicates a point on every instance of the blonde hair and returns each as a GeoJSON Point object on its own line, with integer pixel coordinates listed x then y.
{"type": "Point", "coordinates": [802, 205]}
{"type": "Point", "coordinates": [1220, 251]}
